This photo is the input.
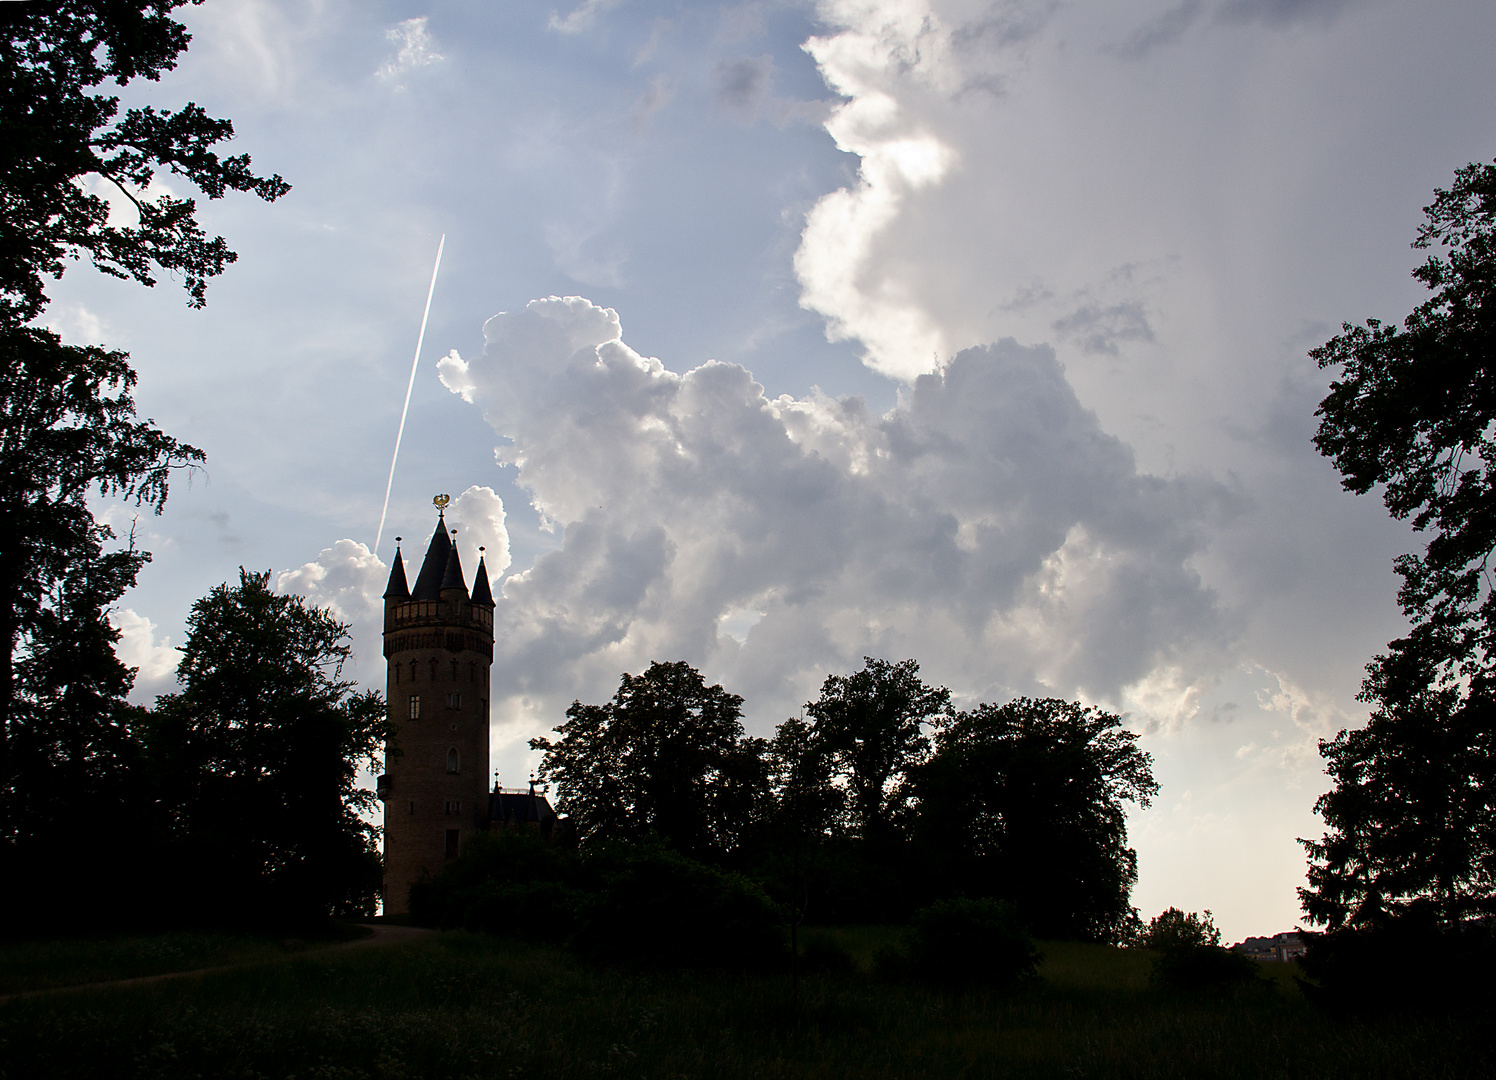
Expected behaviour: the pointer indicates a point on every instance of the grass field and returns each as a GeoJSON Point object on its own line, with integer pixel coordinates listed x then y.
{"type": "Point", "coordinates": [43, 965]}
{"type": "Point", "coordinates": [459, 1005]}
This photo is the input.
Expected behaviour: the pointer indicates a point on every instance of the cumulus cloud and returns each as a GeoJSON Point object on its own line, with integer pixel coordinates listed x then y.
{"type": "Point", "coordinates": [347, 578]}
{"type": "Point", "coordinates": [478, 515]}
{"type": "Point", "coordinates": [153, 657]}
{"type": "Point", "coordinates": [417, 49]}
{"type": "Point", "coordinates": [986, 525]}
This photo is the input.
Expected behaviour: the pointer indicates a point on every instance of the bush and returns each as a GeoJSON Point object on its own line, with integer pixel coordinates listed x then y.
{"type": "Point", "coordinates": [492, 864]}
{"type": "Point", "coordinates": [968, 942]}
{"type": "Point", "coordinates": [823, 954]}
{"type": "Point", "coordinates": [1195, 968]}
{"type": "Point", "coordinates": [532, 911]}
{"type": "Point", "coordinates": [1173, 929]}
{"type": "Point", "coordinates": [1407, 964]}
{"type": "Point", "coordinates": [659, 908]}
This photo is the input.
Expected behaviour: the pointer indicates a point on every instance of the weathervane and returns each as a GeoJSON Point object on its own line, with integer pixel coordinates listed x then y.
{"type": "Point", "coordinates": [440, 502]}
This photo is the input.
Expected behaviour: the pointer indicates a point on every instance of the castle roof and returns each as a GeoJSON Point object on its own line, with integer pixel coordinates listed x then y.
{"type": "Point", "coordinates": [397, 589]}
{"type": "Point", "coordinates": [434, 568]}
{"type": "Point", "coordinates": [482, 594]}
{"type": "Point", "coordinates": [452, 576]}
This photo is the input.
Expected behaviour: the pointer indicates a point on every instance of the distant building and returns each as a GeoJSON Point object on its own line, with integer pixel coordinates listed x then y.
{"type": "Point", "coordinates": [1281, 948]}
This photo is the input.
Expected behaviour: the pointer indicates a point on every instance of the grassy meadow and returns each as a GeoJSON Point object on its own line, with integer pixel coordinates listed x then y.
{"type": "Point", "coordinates": [461, 1005]}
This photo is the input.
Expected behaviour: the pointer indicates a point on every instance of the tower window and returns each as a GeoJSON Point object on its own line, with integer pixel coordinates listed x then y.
{"type": "Point", "coordinates": [454, 701]}
{"type": "Point", "coordinates": [454, 670]}
{"type": "Point", "coordinates": [452, 760]}
{"type": "Point", "coordinates": [433, 669]}
{"type": "Point", "coordinates": [415, 706]}
{"type": "Point", "coordinates": [412, 808]}
{"type": "Point", "coordinates": [412, 671]}
{"type": "Point", "coordinates": [396, 668]}
{"type": "Point", "coordinates": [454, 807]}
{"type": "Point", "coordinates": [451, 851]}
{"type": "Point", "coordinates": [472, 671]}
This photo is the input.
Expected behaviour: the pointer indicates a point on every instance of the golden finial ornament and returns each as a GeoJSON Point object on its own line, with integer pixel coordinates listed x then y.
{"type": "Point", "coordinates": [440, 502]}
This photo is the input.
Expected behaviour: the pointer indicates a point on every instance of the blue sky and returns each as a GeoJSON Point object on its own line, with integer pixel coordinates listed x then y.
{"type": "Point", "coordinates": [1008, 303]}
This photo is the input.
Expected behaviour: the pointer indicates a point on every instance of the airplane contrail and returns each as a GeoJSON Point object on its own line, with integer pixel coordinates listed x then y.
{"type": "Point", "coordinates": [414, 364]}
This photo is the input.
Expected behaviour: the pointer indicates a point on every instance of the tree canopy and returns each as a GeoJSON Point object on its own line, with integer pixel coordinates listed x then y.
{"type": "Point", "coordinates": [1410, 821]}
{"type": "Point", "coordinates": [57, 136]}
{"type": "Point", "coordinates": [69, 430]}
{"type": "Point", "coordinates": [872, 725]}
{"type": "Point", "coordinates": [259, 755]}
{"type": "Point", "coordinates": [1025, 801]}
{"type": "Point", "coordinates": [666, 757]}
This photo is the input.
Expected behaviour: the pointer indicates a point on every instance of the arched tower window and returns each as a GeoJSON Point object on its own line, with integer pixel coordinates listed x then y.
{"type": "Point", "coordinates": [396, 668]}
{"type": "Point", "coordinates": [454, 670]}
{"type": "Point", "coordinates": [453, 760]}
{"type": "Point", "coordinates": [433, 669]}
{"type": "Point", "coordinates": [412, 671]}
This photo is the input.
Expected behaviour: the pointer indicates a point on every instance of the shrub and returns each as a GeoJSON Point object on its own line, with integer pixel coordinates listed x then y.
{"type": "Point", "coordinates": [1173, 929]}
{"type": "Point", "coordinates": [824, 954]}
{"type": "Point", "coordinates": [531, 911]}
{"type": "Point", "coordinates": [1195, 968]}
{"type": "Point", "coordinates": [490, 864]}
{"type": "Point", "coordinates": [965, 942]}
{"type": "Point", "coordinates": [659, 908]}
{"type": "Point", "coordinates": [1407, 963]}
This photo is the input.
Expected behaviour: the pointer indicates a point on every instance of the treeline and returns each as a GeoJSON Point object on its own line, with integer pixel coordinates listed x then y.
{"type": "Point", "coordinates": [880, 801]}
{"type": "Point", "coordinates": [234, 801]}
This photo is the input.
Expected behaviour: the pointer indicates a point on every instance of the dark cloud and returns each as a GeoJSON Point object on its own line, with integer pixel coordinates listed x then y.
{"type": "Point", "coordinates": [743, 84]}
{"type": "Point", "coordinates": [1163, 29]}
{"type": "Point", "coordinates": [1099, 329]}
{"type": "Point", "coordinates": [1282, 12]}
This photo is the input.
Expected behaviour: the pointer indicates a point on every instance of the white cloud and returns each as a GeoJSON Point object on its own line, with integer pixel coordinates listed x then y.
{"type": "Point", "coordinates": [347, 578]}
{"type": "Point", "coordinates": [155, 660]}
{"type": "Point", "coordinates": [987, 525]}
{"type": "Point", "coordinates": [582, 17]}
{"type": "Point", "coordinates": [417, 49]}
{"type": "Point", "coordinates": [478, 514]}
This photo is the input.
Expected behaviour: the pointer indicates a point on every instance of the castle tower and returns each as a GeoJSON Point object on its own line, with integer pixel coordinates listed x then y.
{"type": "Point", "coordinates": [438, 641]}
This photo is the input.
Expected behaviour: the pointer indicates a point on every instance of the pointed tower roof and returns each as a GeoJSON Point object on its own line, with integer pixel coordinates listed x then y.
{"type": "Point", "coordinates": [452, 576]}
{"type": "Point", "coordinates": [434, 567]}
{"type": "Point", "coordinates": [397, 589]}
{"type": "Point", "coordinates": [482, 594]}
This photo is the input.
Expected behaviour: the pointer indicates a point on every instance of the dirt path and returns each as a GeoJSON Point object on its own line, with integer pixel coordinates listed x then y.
{"type": "Point", "coordinates": [379, 935]}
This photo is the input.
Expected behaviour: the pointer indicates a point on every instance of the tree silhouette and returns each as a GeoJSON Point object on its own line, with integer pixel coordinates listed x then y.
{"type": "Point", "coordinates": [666, 757]}
{"type": "Point", "coordinates": [258, 759]}
{"type": "Point", "coordinates": [872, 726]}
{"type": "Point", "coordinates": [1413, 409]}
{"type": "Point", "coordinates": [1024, 801]}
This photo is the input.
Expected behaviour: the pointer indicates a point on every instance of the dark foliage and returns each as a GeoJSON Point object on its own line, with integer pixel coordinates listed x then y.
{"type": "Point", "coordinates": [1410, 816]}
{"type": "Point", "coordinates": [69, 746]}
{"type": "Point", "coordinates": [657, 908]}
{"type": "Point", "coordinates": [665, 758]}
{"type": "Point", "coordinates": [632, 904]}
{"type": "Point", "coordinates": [500, 868]}
{"type": "Point", "coordinates": [871, 725]}
{"type": "Point", "coordinates": [258, 759]}
{"type": "Point", "coordinates": [1024, 801]}
{"type": "Point", "coordinates": [1413, 963]}
{"type": "Point", "coordinates": [1173, 929]}
{"type": "Point", "coordinates": [964, 942]}
{"type": "Point", "coordinates": [56, 135]}
{"type": "Point", "coordinates": [1195, 969]}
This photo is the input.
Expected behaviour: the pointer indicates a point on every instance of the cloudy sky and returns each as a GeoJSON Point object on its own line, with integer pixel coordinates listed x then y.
{"type": "Point", "coordinates": [773, 334]}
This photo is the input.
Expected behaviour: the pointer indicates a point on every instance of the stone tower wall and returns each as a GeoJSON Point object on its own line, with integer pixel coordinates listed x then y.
{"type": "Point", "coordinates": [438, 655]}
